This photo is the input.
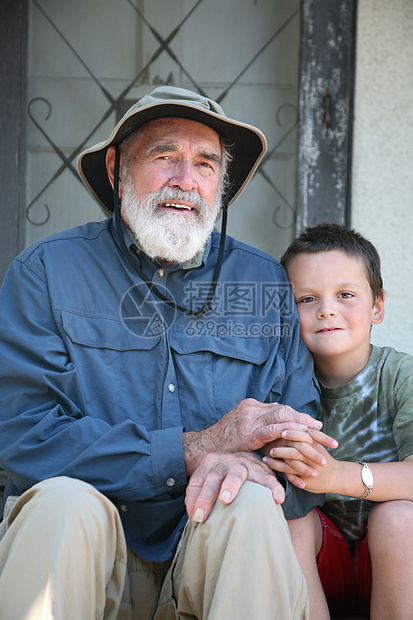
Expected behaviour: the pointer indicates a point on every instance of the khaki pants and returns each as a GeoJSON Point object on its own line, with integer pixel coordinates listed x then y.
{"type": "Point", "coordinates": [64, 557]}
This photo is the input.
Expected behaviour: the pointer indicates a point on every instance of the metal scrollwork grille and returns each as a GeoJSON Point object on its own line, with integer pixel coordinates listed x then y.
{"type": "Point", "coordinates": [258, 84]}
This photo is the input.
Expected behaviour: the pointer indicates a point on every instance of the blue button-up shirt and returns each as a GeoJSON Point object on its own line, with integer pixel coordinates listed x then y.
{"type": "Point", "coordinates": [99, 379]}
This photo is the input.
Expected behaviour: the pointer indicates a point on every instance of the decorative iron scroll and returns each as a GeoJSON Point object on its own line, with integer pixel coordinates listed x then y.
{"type": "Point", "coordinates": [118, 104]}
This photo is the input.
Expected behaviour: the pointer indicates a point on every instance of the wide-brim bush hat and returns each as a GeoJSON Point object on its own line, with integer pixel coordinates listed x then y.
{"type": "Point", "coordinates": [248, 142]}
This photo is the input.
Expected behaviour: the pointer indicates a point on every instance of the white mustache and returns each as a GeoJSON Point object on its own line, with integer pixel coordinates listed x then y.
{"type": "Point", "coordinates": [174, 194]}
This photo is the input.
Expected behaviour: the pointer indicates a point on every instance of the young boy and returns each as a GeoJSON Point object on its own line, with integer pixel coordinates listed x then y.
{"type": "Point", "coordinates": [366, 404]}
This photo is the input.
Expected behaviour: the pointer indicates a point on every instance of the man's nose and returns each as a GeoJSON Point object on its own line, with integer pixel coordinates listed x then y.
{"type": "Point", "coordinates": [183, 176]}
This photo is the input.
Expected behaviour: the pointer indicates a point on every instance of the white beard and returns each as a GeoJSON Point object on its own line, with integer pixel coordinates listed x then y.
{"type": "Point", "coordinates": [164, 235]}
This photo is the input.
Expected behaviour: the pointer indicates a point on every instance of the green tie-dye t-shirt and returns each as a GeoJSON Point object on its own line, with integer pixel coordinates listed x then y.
{"type": "Point", "coordinates": [372, 419]}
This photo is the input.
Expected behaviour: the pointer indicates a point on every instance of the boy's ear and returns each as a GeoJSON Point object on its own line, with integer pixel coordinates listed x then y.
{"type": "Point", "coordinates": [378, 310]}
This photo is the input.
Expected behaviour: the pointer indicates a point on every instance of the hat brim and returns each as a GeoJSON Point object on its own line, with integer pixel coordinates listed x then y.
{"type": "Point", "coordinates": [249, 146]}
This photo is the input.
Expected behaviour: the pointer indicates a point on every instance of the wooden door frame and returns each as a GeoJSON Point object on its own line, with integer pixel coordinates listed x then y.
{"type": "Point", "coordinates": [328, 38]}
{"type": "Point", "coordinates": [13, 88]}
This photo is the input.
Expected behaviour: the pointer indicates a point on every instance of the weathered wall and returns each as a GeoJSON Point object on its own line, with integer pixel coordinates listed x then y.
{"type": "Point", "coordinates": [382, 185]}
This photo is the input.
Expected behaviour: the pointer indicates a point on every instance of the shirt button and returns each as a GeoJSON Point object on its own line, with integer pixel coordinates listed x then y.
{"type": "Point", "coordinates": [171, 387]}
{"type": "Point", "coordinates": [133, 248]}
{"type": "Point", "coordinates": [170, 482]}
{"type": "Point", "coordinates": [124, 508]}
{"type": "Point", "coordinates": [160, 272]}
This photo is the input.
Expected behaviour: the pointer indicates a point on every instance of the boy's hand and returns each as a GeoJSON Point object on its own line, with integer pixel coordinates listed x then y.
{"type": "Point", "coordinates": [302, 446]}
{"type": "Point", "coordinates": [303, 459]}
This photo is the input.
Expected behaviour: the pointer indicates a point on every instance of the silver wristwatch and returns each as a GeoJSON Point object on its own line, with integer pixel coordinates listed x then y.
{"type": "Point", "coordinates": [367, 478]}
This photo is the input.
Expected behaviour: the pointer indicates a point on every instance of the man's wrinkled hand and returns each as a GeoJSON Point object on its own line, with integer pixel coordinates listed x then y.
{"type": "Point", "coordinates": [220, 476]}
{"type": "Point", "coordinates": [247, 427]}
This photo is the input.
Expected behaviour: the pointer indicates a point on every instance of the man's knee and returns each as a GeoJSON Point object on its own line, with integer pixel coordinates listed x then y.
{"type": "Point", "coordinates": [241, 546]}
{"type": "Point", "coordinates": [254, 507]}
{"type": "Point", "coordinates": [66, 539]}
{"type": "Point", "coordinates": [64, 514]}
{"type": "Point", "coordinates": [59, 489]}
{"type": "Point", "coordinates": [254, 498]}
{"type": "Point", "coordinates": [66, 501]}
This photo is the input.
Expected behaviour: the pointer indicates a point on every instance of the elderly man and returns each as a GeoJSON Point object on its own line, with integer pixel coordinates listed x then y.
{"type": "Point", "coordinates": [145, 360]}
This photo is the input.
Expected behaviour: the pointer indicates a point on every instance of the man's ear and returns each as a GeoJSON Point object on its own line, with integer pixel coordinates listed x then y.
{"type": "Point", "coordinates": [110, 167]}
{"type": "Point", "coordinates": [378, 310]}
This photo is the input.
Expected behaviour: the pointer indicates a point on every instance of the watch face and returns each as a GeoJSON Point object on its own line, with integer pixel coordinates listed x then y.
{"type": "Point", "coordinates": [367, 476]}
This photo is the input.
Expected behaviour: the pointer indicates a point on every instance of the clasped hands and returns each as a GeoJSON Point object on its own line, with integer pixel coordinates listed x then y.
{"type": "Point", "coordinates": [219, 459]}
{"type": "Point", "coordinates": [293, 455]}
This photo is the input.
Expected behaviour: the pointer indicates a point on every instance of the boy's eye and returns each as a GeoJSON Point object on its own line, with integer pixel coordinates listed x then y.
{"type": "Point", "coordinates": [306, 300]}
{"type": "Point", "coordinates": [346, 295]}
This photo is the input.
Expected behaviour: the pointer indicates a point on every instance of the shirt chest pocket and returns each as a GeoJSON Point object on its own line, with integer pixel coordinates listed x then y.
{"type": "Point", "coordinates": [114, 361]}
{"type": "Point", "coordinates": [219, 372]}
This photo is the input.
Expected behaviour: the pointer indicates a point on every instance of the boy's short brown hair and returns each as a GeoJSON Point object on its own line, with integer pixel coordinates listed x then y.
{"type": "Point", "coordinates": [329, 236]}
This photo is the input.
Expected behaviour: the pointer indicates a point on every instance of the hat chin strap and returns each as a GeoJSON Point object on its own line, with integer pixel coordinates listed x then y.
{"type": "Point", "coordinates": [133, 261]}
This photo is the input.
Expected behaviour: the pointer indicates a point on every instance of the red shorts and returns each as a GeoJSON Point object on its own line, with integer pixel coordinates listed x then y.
{"type": "Point", "coordinates": [345, 572]}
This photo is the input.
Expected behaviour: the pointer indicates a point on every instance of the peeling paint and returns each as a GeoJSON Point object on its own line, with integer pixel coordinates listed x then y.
{"type": "Point", "coordinates": [324, 112]}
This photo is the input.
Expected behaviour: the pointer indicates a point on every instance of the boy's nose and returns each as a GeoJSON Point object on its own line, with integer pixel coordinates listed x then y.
{"type": "Point", "coordinates": [326, 313]}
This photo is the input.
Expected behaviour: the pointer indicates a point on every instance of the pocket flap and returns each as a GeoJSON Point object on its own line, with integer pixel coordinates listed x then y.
{"type": "Point", "coordinates": [109, 333]}
{"type": "Point", "coordinates": [253, 350]}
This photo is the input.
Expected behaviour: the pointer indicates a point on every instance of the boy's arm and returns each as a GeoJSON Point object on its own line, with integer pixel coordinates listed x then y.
{"type": "Point", "coordinates": [391, 481]}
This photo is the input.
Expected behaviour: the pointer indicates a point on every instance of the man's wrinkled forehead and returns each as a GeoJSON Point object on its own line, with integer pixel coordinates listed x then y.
{"type": "Point", "coordinates": [170, 133]}
{"type": "Point", "coordinates": [168, 125]}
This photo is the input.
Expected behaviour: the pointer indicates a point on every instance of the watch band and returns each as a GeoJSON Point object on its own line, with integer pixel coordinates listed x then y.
{"type": "Point", "coordinates": [367, 478]}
